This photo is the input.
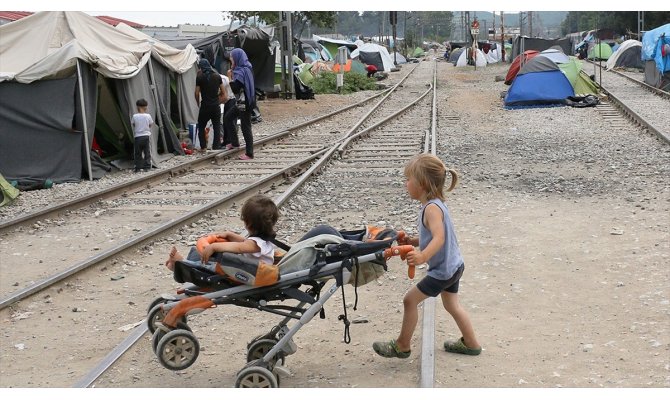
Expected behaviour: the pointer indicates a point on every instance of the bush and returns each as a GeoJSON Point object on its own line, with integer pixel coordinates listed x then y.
{"type": "Point", "coordinates": [326, 82]}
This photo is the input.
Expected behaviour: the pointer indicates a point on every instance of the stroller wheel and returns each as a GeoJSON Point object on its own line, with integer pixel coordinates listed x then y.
{"type": "Point", "coordinates": [178, 349]}
{"type": "Point", "coordinates": [256, 377]}
{"type": "Point", "coordinates": [156, 315]}
{"type": "Point", "coordinates": [259, 348]}
{"type": "Point", "coordinates": [161, 330]}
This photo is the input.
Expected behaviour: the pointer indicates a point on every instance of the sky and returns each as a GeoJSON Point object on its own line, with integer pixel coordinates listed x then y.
{"type": "Point", "coordinates": [173, 13]}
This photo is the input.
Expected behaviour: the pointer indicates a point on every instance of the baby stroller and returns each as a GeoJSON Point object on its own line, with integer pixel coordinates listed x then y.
{"type": "Point", "coordinates": [300, 274]}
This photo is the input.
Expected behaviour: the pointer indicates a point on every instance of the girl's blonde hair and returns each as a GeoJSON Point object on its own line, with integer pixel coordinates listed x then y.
{"type": "Point", "coordinates": [430, 173]}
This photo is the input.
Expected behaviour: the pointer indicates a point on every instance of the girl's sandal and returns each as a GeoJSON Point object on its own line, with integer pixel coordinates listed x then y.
{"type": "Point", "coordinates": [460, 347]}
{"type": "Point", "coordinates": [389, 349]}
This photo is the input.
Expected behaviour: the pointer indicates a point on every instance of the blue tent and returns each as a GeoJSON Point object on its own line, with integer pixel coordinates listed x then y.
{"type": "Point", "coordinates": [539, 82]}
{"type": "Point", "coordinates": [653, 43]}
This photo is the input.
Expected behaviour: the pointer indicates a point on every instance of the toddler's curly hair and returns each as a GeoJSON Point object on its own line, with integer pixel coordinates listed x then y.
{"type": "Point", "coordinates": [260, 214]}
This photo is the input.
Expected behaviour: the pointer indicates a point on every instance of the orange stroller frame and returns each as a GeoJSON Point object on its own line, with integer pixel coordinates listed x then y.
{"type": "Point", "coordinates": [176, 346]}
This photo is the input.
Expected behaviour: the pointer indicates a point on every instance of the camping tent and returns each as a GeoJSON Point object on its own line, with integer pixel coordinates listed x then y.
{"type": "Point", "coordinates": [332, 44]}
{"type": "Point", "coordinates": [516, 65]}
{"type": "Point", "coordinates": [628, 55]}
{"type": "Point", "coordinates": [455, 54]}
{"type": "Point", "coordinates": [418, 52]}
{"type": "Point", "coordinates": [315, 50]}
{"type": "Point", "coordinates": [480, 59]}
{"type": "Point", "coordinates": [539, 82]}
{"type": "Point", "coordinates": [580, 81]}
{"type": "Point", "coordinates": [7, 192]}
{"type": "Point", "coordinates": [656, 55]}
{"type": "Point", "coordinates": [398, 58]}
{"type": "Point", "coordinates": [600, 51]}
{"type": "Point", "coordinates": [523, 43]}
{"type": "Point", "coordinates": [374, 54]}
{"type": "Point", "coordinates": [555, 55]}
{"type": "Point", "coordinates": [68, 85]}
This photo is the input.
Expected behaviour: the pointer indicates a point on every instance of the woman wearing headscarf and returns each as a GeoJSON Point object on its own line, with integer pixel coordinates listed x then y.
{"type": "Point", "coordinates": [241, 82]}
{"type": "Point", "coordinates": [208, 84]}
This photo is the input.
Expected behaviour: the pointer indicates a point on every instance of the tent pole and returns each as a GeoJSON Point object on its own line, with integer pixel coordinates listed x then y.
{"type": "Point", "coordinates": [83, 116]}
{"type": "Point", "coordinates": [159, 115]}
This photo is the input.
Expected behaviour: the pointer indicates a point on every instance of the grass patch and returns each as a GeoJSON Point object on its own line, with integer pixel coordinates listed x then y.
{"type": "Point", "coordinates": [326, 83]}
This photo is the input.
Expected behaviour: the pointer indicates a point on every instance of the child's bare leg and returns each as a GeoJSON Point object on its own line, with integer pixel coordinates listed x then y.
{"type": "Point", "coordinates": [174, 256]}
{"type": "Point", "coordinates": [453, 307]}
{"type": "Point", "coordinates": [409, 318]}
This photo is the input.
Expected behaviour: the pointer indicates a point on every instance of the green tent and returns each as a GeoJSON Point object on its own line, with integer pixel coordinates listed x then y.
{"type": "Point", "coordinates": [7, 192]}
{"type": "Point", "coordinates": [418, 52]}
{"type": "Point", "coordinates": [580, 81]}
{"type": "Point", "coordinates": [600, 51]}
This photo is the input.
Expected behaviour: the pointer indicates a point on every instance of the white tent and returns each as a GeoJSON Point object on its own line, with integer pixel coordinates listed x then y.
{"type": "Point", "coordinates": [67, 65]}
{"type": "Point", "coordinates": [630, 43]}
{"type": "Point", "coordinates": [555, 55]}
{"type": "Point", "coordinates": [492, 56]}
{"type": "Point", "coordinates": [374, 50]}
{"type": "Point", "coordinates": [480, 61]}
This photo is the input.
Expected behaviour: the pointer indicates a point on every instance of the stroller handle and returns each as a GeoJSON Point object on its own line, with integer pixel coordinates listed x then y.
{"type": "Point", "coordinates": [402, 252]}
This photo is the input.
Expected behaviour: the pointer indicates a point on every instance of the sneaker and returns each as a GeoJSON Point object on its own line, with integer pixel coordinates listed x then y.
{"type": "Point", "coordinates": [230, 147]}
{"type": "Point", "coordinates": [245, 157]}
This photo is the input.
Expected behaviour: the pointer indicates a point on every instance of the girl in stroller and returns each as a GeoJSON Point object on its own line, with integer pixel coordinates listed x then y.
{"type": "Point", "coordinates": [259, 214]}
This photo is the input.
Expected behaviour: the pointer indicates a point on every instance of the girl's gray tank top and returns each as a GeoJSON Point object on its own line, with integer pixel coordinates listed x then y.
{"type": "Point", "coordinates": [446, 261]}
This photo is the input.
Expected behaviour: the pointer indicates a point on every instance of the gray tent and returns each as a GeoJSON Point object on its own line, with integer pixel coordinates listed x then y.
{"type": "Point", "coordinates": [68, 86]}
{"type": "Point", "coordinates": [628, 55]}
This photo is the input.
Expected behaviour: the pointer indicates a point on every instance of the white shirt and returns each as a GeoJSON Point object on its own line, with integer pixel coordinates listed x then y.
{"type": "Point", "coordinates": [226, 85]}
{"type": "Point", "coordinates": [142, 124]}
{"type": "Point", "coordinates": [267, 253]}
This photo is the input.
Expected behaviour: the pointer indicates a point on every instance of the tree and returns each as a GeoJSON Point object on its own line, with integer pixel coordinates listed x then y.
{"type": "Point", "coordinates": [623, 22]}
{"type": "Point", "coordinates": [299, 20]}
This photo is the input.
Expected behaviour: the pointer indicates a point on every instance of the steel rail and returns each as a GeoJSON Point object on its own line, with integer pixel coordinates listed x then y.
{"type": "Point", "coordinates": [628, 111]}
{"type": "Point", "coordinates": [427, 377]}
{"type": "Point", "coordinates": [164, 173]}
{"type": "Point", "coordinates": [635, 116]}
{"type": "Point", "coordinates": [194, 214]}
{"type": "Point", "coordinates": [140, 330]}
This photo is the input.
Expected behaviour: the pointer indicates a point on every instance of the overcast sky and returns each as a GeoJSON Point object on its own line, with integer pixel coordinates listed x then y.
{"type": "Point", "coordinates": [174, 13]}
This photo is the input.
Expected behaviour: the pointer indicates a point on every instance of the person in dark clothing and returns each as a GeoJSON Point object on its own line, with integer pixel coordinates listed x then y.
{"type": "Point", "coordinates": [242, 83]}
{"type": "Point", "coordinates": [208, 85]}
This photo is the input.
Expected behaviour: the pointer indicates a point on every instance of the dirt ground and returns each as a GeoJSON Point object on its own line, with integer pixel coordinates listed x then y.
{"type": "Point", "coordinates": [565, 289]}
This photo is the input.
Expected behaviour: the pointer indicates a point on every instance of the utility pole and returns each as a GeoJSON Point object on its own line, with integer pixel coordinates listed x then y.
{"type": "Point", "coordinates": [393, 19]}
{"type": "Point", "coordinates": [502, 35]}
{"type": "Point", "coordinates": [287, 88]}
{"type": "Point", "coordinates": [530, 24]}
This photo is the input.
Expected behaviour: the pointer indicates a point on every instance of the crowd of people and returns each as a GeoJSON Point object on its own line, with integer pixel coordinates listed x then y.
{"type": "Point", "coordinates": [236, 91]}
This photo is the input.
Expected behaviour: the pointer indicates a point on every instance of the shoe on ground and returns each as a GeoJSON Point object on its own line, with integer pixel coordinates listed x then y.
{"type": "Point", "coordinates": [390, 349]}
{"type": "Point", "coordinates": [245, 157]}
{"type": "Point", "coordinates": [459, 346]}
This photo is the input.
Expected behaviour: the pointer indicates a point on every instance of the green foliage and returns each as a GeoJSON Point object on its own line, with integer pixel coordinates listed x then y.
{"type": "Point", "coordinates": [326, 82]}
{"type": "Point", "coordinates": [622, 22]}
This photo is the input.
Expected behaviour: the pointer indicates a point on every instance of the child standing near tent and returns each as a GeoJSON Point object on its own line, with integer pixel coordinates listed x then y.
{"type": "Point", "coordinates": [142, 123]}
{"type": "Point", "coordinates": [438, 247]}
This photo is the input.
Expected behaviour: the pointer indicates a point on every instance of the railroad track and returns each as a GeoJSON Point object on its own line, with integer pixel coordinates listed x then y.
{"type": "Point", "coordinates": [643, 104]}
{"type": "Point", "coordinates": [223, 179]}
{"type": "Point", "coordinates": [143, 208]}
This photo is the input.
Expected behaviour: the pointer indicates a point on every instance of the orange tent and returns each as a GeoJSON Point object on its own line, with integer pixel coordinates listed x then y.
{"type": "Point", "coordinates": [516, 64]}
